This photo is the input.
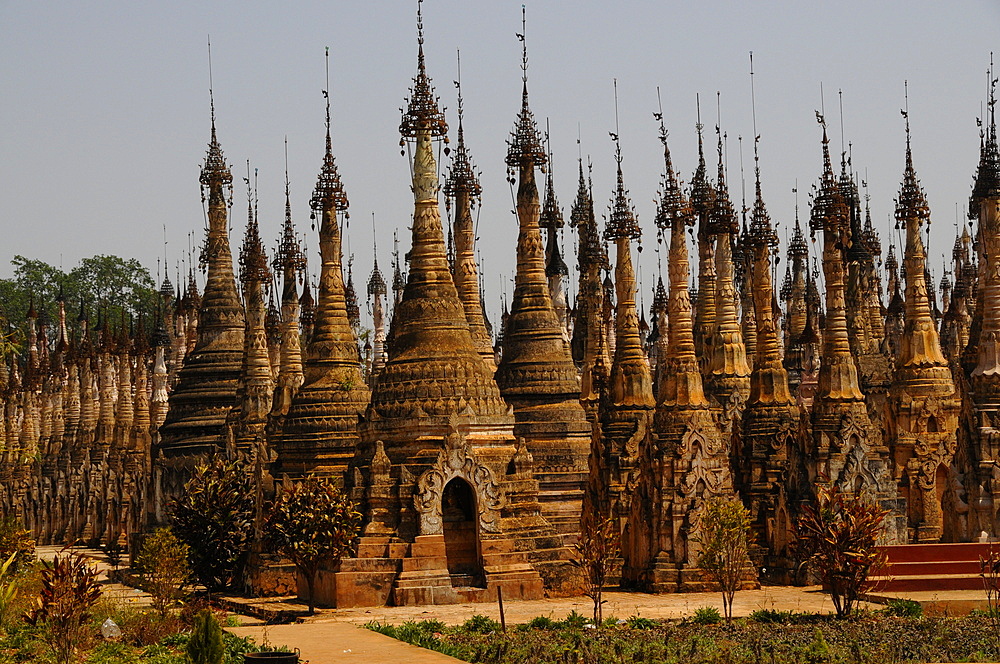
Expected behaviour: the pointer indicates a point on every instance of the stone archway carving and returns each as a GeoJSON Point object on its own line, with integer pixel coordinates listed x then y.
{"type": "Point", "coordinates": [451, 463]}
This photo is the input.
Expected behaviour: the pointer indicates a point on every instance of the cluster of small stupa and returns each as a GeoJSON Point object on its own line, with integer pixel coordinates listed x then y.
{"type": "Point", "coordinates": [476, 461]}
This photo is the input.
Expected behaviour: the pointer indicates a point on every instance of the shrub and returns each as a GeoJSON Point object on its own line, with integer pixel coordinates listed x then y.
{"type": "Point", "coordinates": [706, 615]}
{"type": "Point", "coordinates": [818, 650]}
{"type": "Point", "coordinates": [314, 524]}
{"type": "Point", "coordinates": [482, 624]}
{"type": "Point", "coordinates": [69, 590]}
{"type": "Point", "coordinates": [205, 645]}
{"type": "Point", "coordinates": [163, 564]}
{"type": "Point", "coordinates": [724, 534]}
{"type": "Point", "coordinates": [903, 608]}
{"type": "Point", "coordinates": [638, 622]}
{"type": "Point", "coordinates": [542, 622]}
{"type": "Point", "coordinates": [837, 536]}
{"type": "Point", "coordinates": [772, 616]}
{"type": "Point", "coordinates": [574, 620]}
{"type": "Point", "coordinates": [597, 549]}
{"type": "Point", "coordinates": [215, 517]}
{"type": "Point", "coordinates": [15, 539]}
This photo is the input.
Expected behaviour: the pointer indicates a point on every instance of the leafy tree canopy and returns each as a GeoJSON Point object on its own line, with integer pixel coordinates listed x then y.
{"type": "Point", "coordinates": [110, 286]}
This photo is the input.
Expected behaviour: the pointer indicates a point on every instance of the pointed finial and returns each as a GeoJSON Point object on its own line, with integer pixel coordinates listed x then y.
{"type": "Point", "coordinates": [422, 112]}
{"type": "Point", "coordinates": [211, 92]}
{"type": "Point", "coordinates": [906, 112]}
{"type": "Point", "coordinates": [326, 95]}
{"type": "Point", "coordinates": [524, 46]}
{"type": "Point", "coordinates": [329, 192]}
{"type": "Point", "coordinates": [420, 23]}
{"type": "Point", "coordinates": [524, 145]}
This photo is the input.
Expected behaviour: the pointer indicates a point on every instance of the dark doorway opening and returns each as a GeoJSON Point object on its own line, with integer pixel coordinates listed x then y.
{"type": "Point", "coordinates": [461, 540]}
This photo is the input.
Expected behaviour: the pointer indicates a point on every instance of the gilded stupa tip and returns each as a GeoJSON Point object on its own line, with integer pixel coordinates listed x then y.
{"type": "Point", "coordinates": [621, 220]}
{"type": "Point", "coordinates": [551, 215]}
{"type": "Point", "coordinates": [761, 232]}
{"type": "Point", "coordinates": [723, 215]}
{"type": "Point", "coordinates": [462, 176]}
{"type": "Point", "coordinates": [253, 258]}
{"type": "Point", "coordinates": [672, 203]}
{"type": "Point", "coordinates": [829, 208]}
{"type": "Point", "coordinates": [329, 192]}
{"type": "Point", "coordinates": [911, 201]}
{"type": "Point", "coordinates": [525, 144]}
{"type": "Point", "coordinates": [987, 183]}
{"type": "Point", "coordinates": [422, 112]}
{"type": "Point", "coordinates": [702, 192]}
{"type": "Point", "coordinates": [215, 172]}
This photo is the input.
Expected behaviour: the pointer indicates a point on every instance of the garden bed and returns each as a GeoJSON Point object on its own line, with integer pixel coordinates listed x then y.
{"type": "Point", "coordinates": [767, 636]}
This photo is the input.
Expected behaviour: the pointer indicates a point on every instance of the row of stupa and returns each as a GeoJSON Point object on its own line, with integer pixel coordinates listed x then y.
{"type": "Point", "coordinates": [477, 464]}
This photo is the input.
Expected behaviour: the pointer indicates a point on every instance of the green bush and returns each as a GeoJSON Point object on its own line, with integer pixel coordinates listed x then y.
{"type": "Point", "coordinates": [818, 651]}
{"type": "Point", "coordinates": [574, 620]}
{"type": "Point", "coordinates": [314, 524]}
{"type": "Point", "coordinates": [482, 624]}
{"type": "Point", "coordinates": [215, 517]}
{"type": "Point", "coordinates": [163, 564]}
{"type": "Point", "coordinates": [16, 539]}
{"type": "Point", "coordinates": [205, 645]}
{"type": "Point", "coordinates": [706, 615]}
{"type": "Point", "coordinates": [542, 622]}
{"type": "Point", "coordinates": [772, 616]}
{"type": "Point", "coordinates": [638, 622]}
{"type": "Point", "coordinates": [903, 608]}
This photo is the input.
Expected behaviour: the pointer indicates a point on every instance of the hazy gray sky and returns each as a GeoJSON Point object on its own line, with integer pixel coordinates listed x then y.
{"type": "Point", "coordinates": [104, 112]}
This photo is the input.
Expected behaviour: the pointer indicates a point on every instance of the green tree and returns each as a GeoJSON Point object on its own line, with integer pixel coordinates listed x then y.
{"type": "Point", "coordinates": [724, 535]}
{"type": "Point", "coordinates": [111, 286]}
{"type": "Point", "coordinates": [214, 517]}
{"type": "Point", "coordinates": [837, 537]}
{"type": "Point", "coordinates": [314, 524]}
{"type": "Point", "coordinates": [163, 564]}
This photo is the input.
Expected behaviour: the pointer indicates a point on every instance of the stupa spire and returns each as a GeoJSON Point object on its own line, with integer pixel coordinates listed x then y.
{"type": "Point", "coordinates": [728, 376]}
{"type": "Point", "coordinates": [703, 206]}
{"type": "Point", "coordinates": [536, 373]}
{"type": "Point", "coordinates": [630, 385]}
{"type": "Point", "coordinates": [290, 261]}
{"type": "Point", "coordinates": [682, 383]}
{"type": "Point", "coordinates": [923, 400]}
{"type": "Point", "coordinates": [769, 380]}
{"type": "Point", "coordinates": [462, 186]}
{"type": "Point", "coordinates": [319, 433]}
{"type": "Point", "coordinates": [256, 385]}
{"type": "Point", "coordinates": [206, 388]}
{"type": "Point", "coordinates": [838, 379]}
{"type": "Point", "coordinates": [430, 341]}
{"type": "Point", "coordinates": [588, 337]}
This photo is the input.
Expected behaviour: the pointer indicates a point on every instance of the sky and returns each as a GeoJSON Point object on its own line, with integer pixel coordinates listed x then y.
{"type": "Point", "coordinates": [104, 111]}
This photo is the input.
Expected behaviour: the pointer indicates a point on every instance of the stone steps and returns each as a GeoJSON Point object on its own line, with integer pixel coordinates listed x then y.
{"type": "Point", "coordinates": [932, 567]}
